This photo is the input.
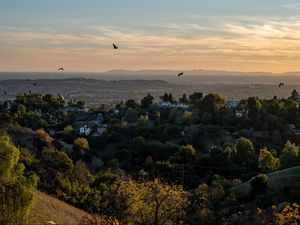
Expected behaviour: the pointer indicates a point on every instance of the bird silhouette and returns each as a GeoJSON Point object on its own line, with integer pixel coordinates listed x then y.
{"type": "Point", "coordinates": [62, 69]}
{"type": "Point", "coordinates": [34, 84]}
{"type": "Point", "coordinates": [180, 74]}
{"type": "Point", "coordinates": [115, 47]}
{"type": "Point", "coordinates": [281, 84]}
{"type": "Point", "coordinates": [5, 92]}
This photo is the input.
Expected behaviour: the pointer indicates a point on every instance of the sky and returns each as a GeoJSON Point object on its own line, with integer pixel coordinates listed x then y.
{"type": "Point", "coordinates": [231, 35]}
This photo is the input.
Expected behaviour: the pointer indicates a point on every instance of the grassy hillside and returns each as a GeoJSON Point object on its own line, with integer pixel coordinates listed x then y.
{"type": "Point", "coordinates": [279, 180]}
{"type": "Point", "coordinates": [48, 209]}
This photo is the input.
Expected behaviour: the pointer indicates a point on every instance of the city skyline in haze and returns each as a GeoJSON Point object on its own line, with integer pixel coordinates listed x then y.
{"type": "Point", "coordinates": [231, 35]}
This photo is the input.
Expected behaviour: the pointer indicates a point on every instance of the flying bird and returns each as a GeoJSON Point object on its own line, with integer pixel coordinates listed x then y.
{"type": "Point", "coordinates": [115, 47]}
{"type": "Point", "coordinates": [62, 69]}
{"type": "Point", "coordinates": [281, 84]}
{"type": "Point", "coordinates": [180, 74]}
{"type": "Point", "coordinates": [34, 84]}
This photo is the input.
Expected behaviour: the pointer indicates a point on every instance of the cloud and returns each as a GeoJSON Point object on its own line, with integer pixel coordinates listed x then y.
{"type": "Point", "coordinates": [282, 29]}
{"type": "Point", "coordinates": [235, 41]}
{"type": "Point", "coordinates": [292, 5]}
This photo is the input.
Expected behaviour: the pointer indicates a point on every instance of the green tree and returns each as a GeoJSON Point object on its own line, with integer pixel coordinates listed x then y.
{"type": "Point", "coordinates": [184, 99]}
{"type": "Point", "coordinates": [131, 103]}
{"type": "Point", "coordinates": [68, 130]}
{"type": "Point", "coordinates": [82, 144]}
{"type": "Point", "coordinates": [294, 94]}
{"type": "Point", "coordinates": [290, 155]}
{"type": "Point", "coordinates": [259, 184]}
{"type": "Point", "coordinates": [81, 174]}
{"type": "Point", "coordinates": [147, 101]}
{"type": "Point", "coordinates": [131, 115]}
{"type": "Point", "coordinates": [254, 107]}
{"type": "Point", "coordinates": [212, 103]}
{"type": "Point", "coordinates": [196, 97]}
{"type": "Point", "coordinates": [266, 161]}
{"type": "Point", "coordinates": [167, 98]}
{"type": "Point", "coordinates": [245, 155]}
{"type": "Point", "coordinates": [16, 190]}
{"type": "Point", "coordinates": [68, 133]}
{"type": "Point", "coordinates": [186, 154]}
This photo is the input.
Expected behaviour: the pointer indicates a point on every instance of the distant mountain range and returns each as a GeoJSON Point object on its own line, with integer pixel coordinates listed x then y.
{"type": "Point", "coordinates": [195, 72]}
{"type": "Point", "coordinates": [134, 74]}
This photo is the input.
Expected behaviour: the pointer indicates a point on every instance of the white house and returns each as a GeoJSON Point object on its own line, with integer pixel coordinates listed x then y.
{"type": "Point", "coordinates": [239, 113]}
{"type": "Point", "coordinates": [165, 104]}
{"type": "Point", "coordinates": [85, 130]}
{"type": "Point", "coordinates": [181, 106]}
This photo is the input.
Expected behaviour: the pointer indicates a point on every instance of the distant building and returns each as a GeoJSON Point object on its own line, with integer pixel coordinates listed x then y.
{"type": "Point", "coordinates": [298, 98]}
{"type": "Point", "coordinates": [294, 130]}
{"type": "Point", "coordinates": [181, 106]}
{"type": "Point", "coordinates": [99, 132]}
{"type": "Point", "coordinates": [74, 109]}
{"type": "Point", "coordinates": [165, 104]}
{"type": "Point", "coordinates": [85, 130]}
{"type": "Point", "coordinates": [231, 103]}
{"type": "Point", "coordinates": [239, 113]}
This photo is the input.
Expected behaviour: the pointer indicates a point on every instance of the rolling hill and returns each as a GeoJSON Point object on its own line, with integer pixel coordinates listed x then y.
{"type": "Point", "coordinates": [287, 179]}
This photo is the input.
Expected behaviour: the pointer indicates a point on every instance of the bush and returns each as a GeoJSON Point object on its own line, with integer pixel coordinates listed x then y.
{"type": "Point", "coordinates": [81, 144]}
{"type": "Point", "coordinates": [259, 184]}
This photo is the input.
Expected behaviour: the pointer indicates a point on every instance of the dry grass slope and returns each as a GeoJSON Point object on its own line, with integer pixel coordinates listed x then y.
{"type": "Point", "coordinates": [48, 209]}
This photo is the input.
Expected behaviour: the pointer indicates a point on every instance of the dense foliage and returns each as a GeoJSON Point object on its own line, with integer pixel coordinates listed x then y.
{"type": "Point", "coordinates": [173, 162]}
{"type": "Point", "coordinates": [16, 188]}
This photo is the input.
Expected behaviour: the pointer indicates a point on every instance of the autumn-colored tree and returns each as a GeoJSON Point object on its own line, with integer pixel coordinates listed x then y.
{"type": "Point", "coordinates": [289, 215]}
{"type": "Point", "coordinates": [152, 202]}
